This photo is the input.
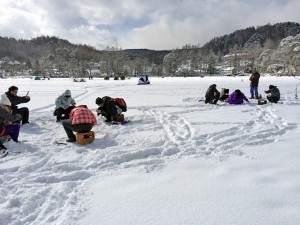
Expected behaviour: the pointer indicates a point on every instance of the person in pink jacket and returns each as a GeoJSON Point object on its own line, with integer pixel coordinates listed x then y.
{"type": "Point", "coordinates": [237, 97]}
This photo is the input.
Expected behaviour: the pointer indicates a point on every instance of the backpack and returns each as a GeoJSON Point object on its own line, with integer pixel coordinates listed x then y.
{"type": "Point", "coordinates": [121, 103]}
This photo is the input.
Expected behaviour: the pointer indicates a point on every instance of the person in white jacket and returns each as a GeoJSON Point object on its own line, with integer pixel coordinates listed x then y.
{"type": "Point", "coordinates": [63, 106]}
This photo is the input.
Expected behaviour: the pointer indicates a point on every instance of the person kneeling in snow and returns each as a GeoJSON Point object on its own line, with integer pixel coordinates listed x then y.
{"type": "Point", "coordinates": [81, 120]}
{"type": "Point", "coordinates": [224, 94]}
{"type": "Point", "coordinates": [212, 95]}
{"type": "Point", "coordinates": [64, 104]}
{"type": "Point", "coordinates": [237, 97]}
{"type": "Point", "coordinates": [273, 94]}
{"type": "Point", "coordinates": [7, 127]}
{"type": "Point", "coordinates": [108, 108]}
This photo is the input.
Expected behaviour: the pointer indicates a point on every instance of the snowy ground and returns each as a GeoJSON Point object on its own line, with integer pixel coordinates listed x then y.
{"type": "Point", "coordinates": [177, 162]}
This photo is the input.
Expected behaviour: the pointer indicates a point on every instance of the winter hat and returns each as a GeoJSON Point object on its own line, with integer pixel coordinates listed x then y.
{"type": "Point", "coordinates": [99, 101]}
{"type": "Point", "coordinates": [5, 100]}
{"type": "Point", "coordinates": [271, 86]}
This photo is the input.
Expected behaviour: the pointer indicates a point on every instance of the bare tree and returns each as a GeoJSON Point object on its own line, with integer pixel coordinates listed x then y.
{"type": "Point", "coordinates": [253, 52]}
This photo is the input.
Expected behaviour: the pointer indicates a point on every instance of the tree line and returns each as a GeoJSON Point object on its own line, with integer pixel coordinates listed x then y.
{"type": "Point", "coordinates": [242, 50]}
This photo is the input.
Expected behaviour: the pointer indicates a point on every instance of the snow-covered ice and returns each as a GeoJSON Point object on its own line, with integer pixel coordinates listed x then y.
{"type": "Point", "coordinates": [179, 161]}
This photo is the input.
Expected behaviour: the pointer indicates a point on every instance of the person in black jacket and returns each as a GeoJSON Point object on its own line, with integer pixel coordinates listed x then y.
{"type": "Point", "coordinates": [16, 100]}
{"type": "Point", "coordinates": [212, 94]}
{"type": "Point", "coordinates": [108, 108]}
{"type": "Point", "coordinates": [273, 94]}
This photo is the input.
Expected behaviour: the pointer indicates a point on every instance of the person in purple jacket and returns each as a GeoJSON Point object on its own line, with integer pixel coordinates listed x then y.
{"type": "Point", "coordinates": [237, 97]}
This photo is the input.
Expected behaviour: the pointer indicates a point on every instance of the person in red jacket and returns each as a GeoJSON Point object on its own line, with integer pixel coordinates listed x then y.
{"type": "Point", "coordinates": [81, 120]}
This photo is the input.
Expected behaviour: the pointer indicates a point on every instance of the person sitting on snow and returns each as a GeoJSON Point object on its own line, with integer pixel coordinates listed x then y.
{"type": "Point", "coordinates": [224, 94]}
{"type": "Point", "coordinates": [81, 120]}
{"type": "Point", "coordinates": [109, 109]}
{"type": "Point", "coordinates": [237, 97]}
{"type": "Point", "coordinates": [212, 94]}
{"type": "Point", "coordinates": [273, 94]}
{"type": "Point", "coordinates": [64, 104]}
{"type": "Point", "coordinates": [16, 100]}
{"type": "Point", "coordinates": [7, 119]}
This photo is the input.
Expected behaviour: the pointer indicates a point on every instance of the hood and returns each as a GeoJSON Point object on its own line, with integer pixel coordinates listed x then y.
{"type": "Point", "coordinates": [5, 100]}
{"type": "Point", "coordinates": [67, 93]}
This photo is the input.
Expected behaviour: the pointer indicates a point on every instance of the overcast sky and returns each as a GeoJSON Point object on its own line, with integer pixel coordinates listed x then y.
{"type": "Point", "coordinates": [152, 24]}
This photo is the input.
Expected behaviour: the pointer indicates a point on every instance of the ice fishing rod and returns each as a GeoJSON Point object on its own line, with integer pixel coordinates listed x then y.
{"type": "Point", "coordinates": [296, 90]}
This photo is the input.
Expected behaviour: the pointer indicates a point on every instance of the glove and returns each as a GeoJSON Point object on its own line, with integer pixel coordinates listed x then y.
{"type": "Point", "coordinates": [18, 117]}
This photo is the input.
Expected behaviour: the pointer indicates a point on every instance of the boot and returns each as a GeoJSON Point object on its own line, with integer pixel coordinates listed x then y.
{"type": "Point", "coordinates": [2, 146]}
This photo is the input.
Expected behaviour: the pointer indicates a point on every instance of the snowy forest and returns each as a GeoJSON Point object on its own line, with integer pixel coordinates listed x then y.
{"type": "Point", "coordinates": [272, 49]}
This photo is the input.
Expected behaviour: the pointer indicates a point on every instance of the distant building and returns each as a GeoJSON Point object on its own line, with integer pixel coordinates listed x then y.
{"type": "Point", "coordinates": [229, 71]}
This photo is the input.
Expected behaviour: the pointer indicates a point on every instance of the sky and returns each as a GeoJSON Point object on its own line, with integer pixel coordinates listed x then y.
{"type": "Point", "coordinates": [178, 161]}
{"type": "Point", "coordinates": [133, 24]}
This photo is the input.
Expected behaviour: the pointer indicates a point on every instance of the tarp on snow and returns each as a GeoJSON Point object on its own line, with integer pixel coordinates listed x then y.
{"type": "Point", "coordinates": [79, 80]}
{"type": "Point", "coordinates": [143, 80]}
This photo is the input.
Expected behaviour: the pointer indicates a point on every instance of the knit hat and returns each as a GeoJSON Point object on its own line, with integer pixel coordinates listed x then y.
{"type": "Point", "coordinates": [5, 100]}
{"type": "Point", "coordinates": [271, 86]}
{"type": "Point", "coordinates": [99, 101]}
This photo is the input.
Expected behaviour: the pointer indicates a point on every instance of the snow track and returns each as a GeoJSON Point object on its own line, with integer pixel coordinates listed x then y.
{"type": "Point", "coordinates": [61, 169]}
{"type": "Point", "coordinates": [41, 181]}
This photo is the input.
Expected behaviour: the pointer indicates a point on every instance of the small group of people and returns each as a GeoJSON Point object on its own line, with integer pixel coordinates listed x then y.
{"type": "Point", "coordinates": [11, 116]}
{"type": "Point", "coordinates": [80, 118]}
{"type": "Point", "coordinates": [74, 118]}
{"type": "Point", "coordinates": [212, 95]}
